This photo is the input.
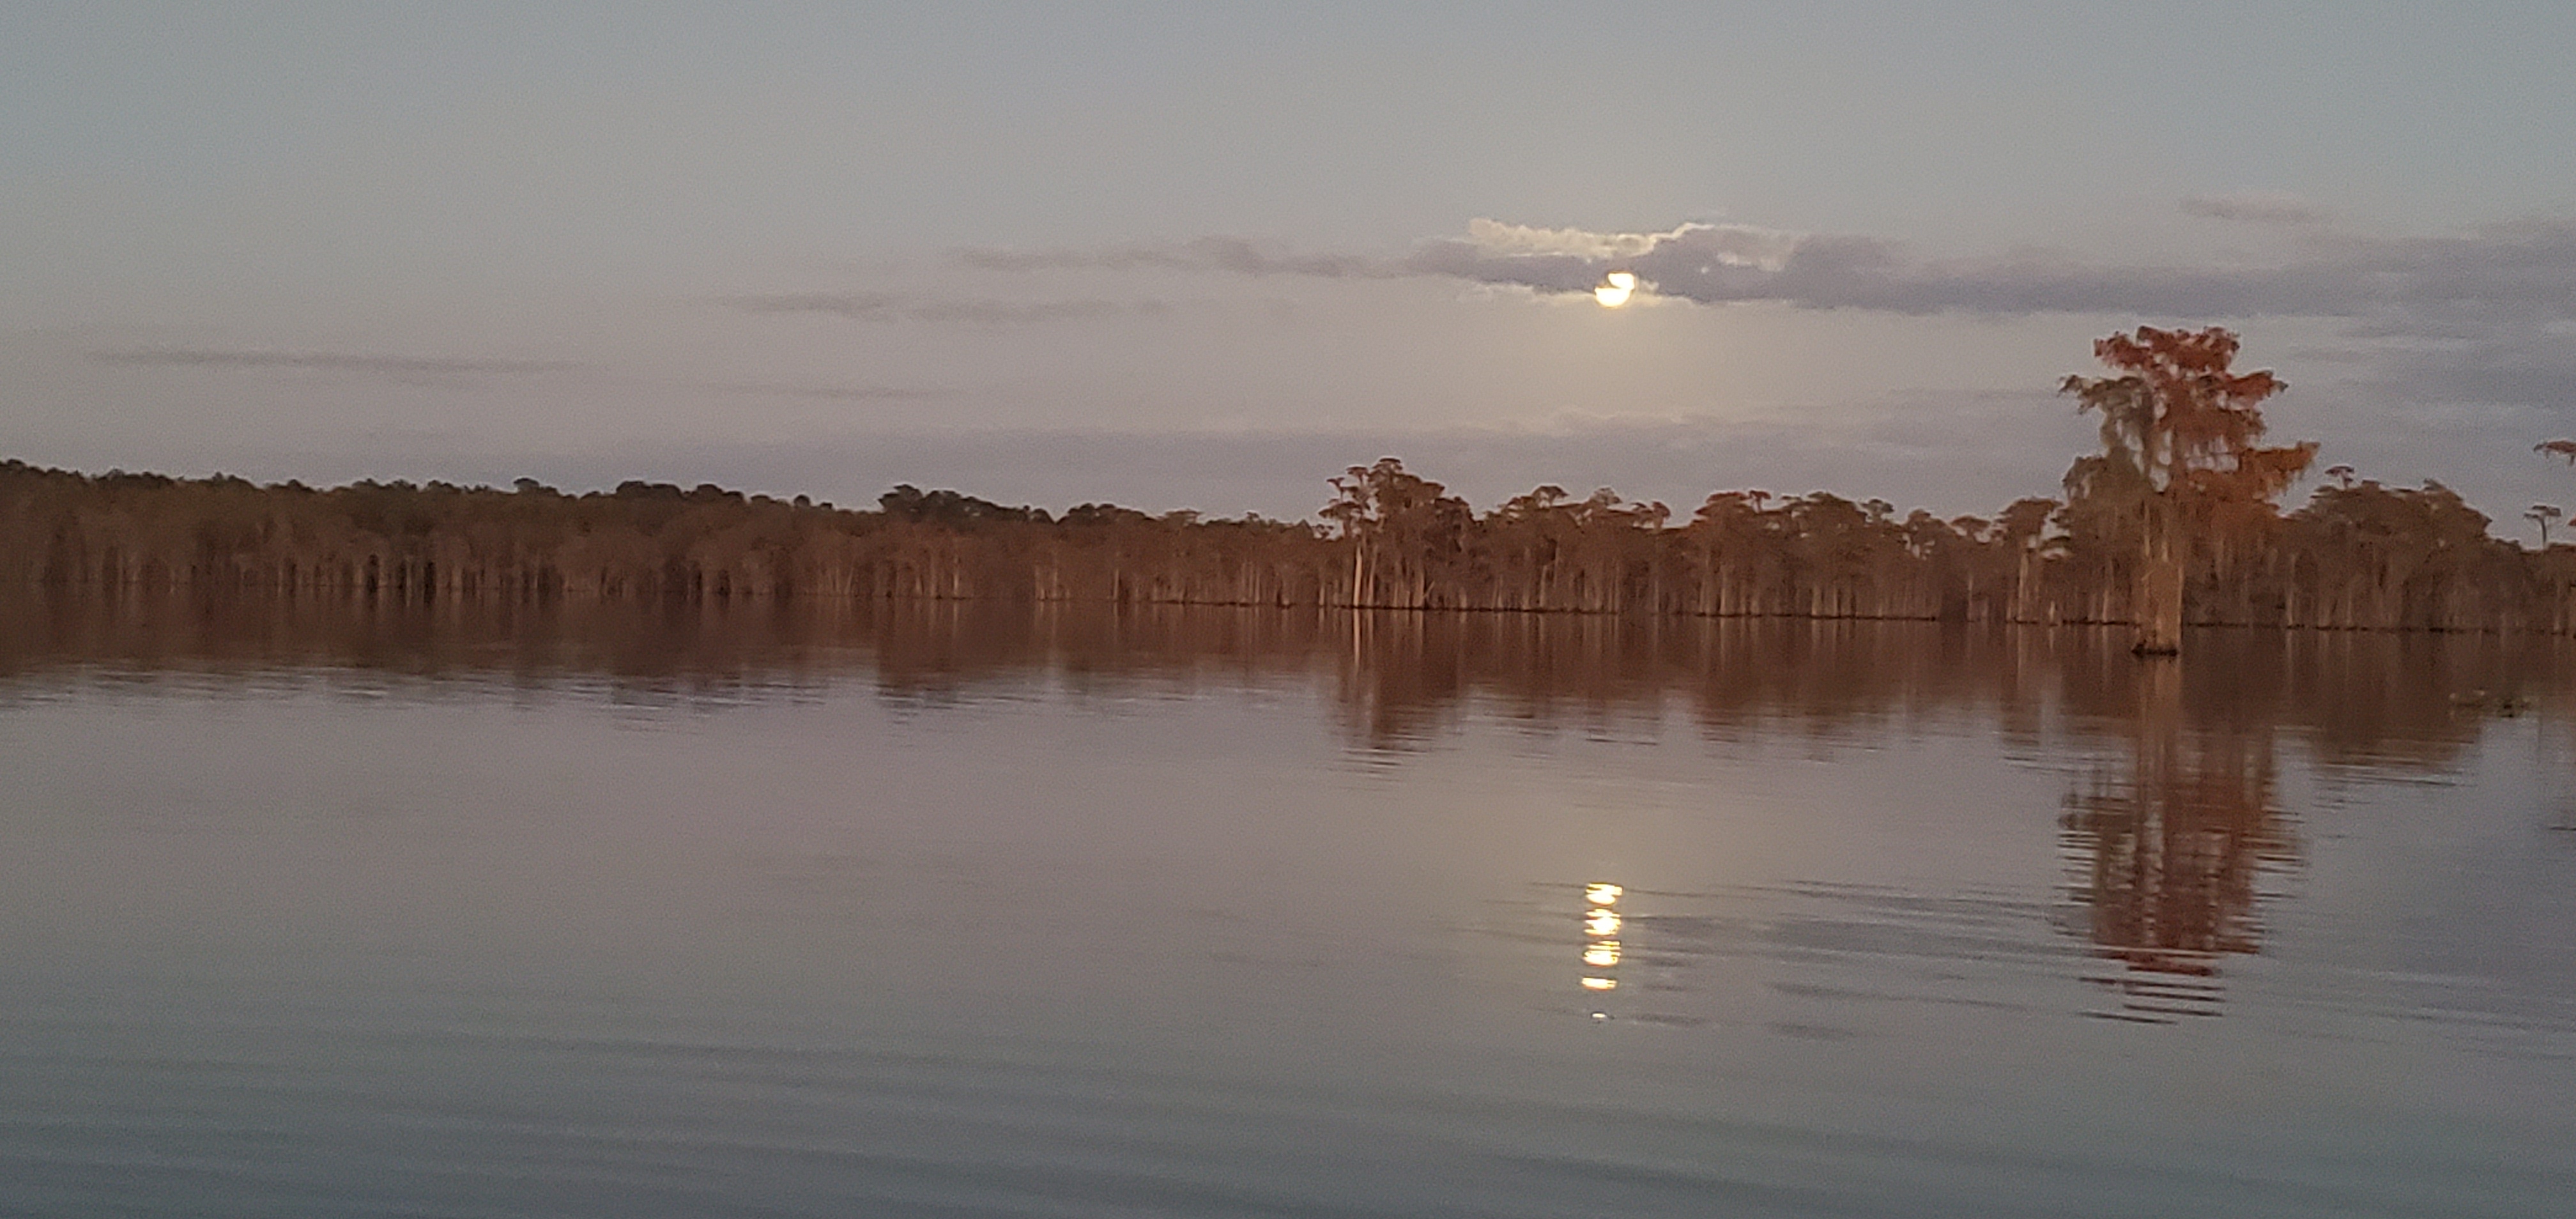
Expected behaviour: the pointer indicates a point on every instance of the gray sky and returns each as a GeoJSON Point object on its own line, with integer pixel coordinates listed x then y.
{"type": "Point", "coordinates": [1200, 255]}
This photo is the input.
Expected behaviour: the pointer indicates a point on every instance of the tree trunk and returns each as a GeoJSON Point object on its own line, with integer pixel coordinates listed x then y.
{"type": "Point", "coordinates": [2158, 606]}
{"type": "Point", "coordinates": [2025, 599]}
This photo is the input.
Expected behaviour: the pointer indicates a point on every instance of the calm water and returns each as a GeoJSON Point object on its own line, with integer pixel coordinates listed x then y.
{"type": "Point", "coordinates": [472, 911]}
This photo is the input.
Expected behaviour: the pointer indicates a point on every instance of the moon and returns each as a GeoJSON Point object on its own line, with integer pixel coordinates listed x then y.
{"type": "Point", "coordinates": [1615, 289]}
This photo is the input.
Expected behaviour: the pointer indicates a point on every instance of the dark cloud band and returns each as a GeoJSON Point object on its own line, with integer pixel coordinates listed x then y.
{"type": "Point", "coordinates": [2524, 267]}
{"type": "Point", "coordinates": [900, 307]}
{"type": "Point", "coordinates": [322, 361]}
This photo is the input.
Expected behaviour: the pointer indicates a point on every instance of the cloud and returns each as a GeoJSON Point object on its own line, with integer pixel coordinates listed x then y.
{"type": "Point", "coordinates": [402, 367]}
{"type": "Point", "coordinates": [904, 307]}
{"type": "Point", "coordinates": [416, 369]}
{"type": "Point", "coordinates": [2257, 207]}
{"type": "Point", "coordinates": [1715, 264]}
{"type": "Point", "coordinates": [2530, 367]}
{"type": "Point", "coordinates": [1238, 255]}
{"type": "Point", "coordinates": [1705, 262]}
{"type": "Point", "coordinates": [2480, 316]}
{"type": "Point", "coordinates": [828, 393]}
{"type": "Point", "coordinates": [2526, 268]}
{"type": "Point", "coordinates": [2482, 319]}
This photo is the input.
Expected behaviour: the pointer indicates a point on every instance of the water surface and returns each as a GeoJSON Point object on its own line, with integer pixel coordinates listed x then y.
{"type": "Point", "coordinates": [948, 910]}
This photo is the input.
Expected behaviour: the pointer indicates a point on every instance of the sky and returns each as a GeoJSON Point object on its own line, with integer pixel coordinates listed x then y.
{"type": "Point", "coordinates": [1206, 255]}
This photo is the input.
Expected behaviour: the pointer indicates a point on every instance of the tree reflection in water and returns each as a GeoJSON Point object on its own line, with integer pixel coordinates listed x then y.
{"type": "Point", "coordinates": [2168, 853]}
{"type": "Point", "coordinates": [1396, 680]}
{"type": "Point", "coordinates": [2169, 845]}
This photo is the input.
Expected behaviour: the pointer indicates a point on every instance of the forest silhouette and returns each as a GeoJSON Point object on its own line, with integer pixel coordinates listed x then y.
{"type": "Point", "coordinates": [2176, 520]}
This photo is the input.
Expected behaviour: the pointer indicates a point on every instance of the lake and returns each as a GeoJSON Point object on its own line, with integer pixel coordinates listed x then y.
{"type": "Point", "coordinates": [949, 909]}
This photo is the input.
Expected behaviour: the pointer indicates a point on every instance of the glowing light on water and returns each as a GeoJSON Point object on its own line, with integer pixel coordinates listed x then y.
{"type": "Point", "coordinates": [1601, 950]}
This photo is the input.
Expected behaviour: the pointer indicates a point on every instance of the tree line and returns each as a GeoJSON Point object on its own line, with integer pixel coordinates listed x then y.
{"type": "Point", "coordinates": [2175, 520]}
